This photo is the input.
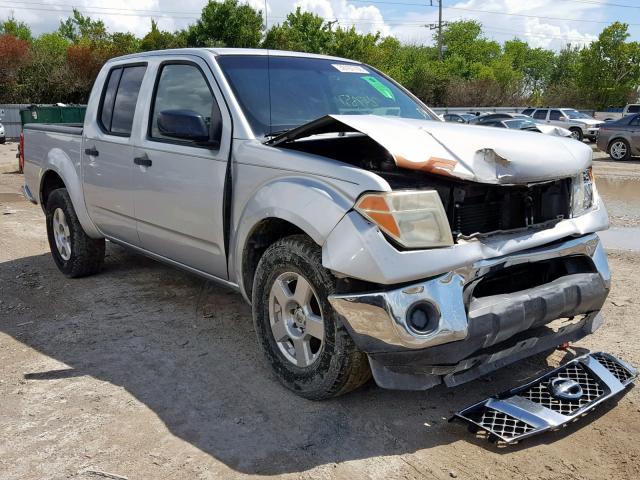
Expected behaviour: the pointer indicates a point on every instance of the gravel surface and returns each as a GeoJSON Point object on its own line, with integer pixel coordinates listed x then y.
{"type": "Point", "coordinates": [147, 372]}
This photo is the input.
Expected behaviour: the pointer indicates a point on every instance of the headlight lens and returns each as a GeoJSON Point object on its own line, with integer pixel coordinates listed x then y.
{"type": "Point", "coordinates": [415, 219]}
{"type": "Point", "coordinates": [582, 193]}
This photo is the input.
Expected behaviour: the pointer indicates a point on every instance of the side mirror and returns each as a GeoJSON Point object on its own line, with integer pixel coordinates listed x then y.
{"type": "Point", "coordinates": [185, 125]}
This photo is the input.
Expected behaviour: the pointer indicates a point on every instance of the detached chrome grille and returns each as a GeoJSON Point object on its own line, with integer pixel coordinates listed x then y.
{"type": "Point", "coordinates": [550, 401]}
{"type": "Point", "coordinates": [622, 373]}
{"type": "Point", "coordinates": [541, 393]}
{"type": "Point", "coordinates": [502, 424]}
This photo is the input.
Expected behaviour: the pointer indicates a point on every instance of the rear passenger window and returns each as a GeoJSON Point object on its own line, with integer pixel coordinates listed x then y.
{"type": "Point", "coordinates": [555, 115]}
{"type": "Point", "coordinates": [634, 109]}
{"type": "Point", "coordinates": [540, 114]}
{"type": "Point", "coordinates": [119, 101]}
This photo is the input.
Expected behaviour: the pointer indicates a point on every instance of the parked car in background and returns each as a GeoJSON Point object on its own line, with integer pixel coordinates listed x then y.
{"type": "Point", "coordinates": [528, 125]}
{"type": "Point", "coordinates": [3, 138]}
{"type": "Point", "coordinates": [492, 117]}
{"type": "Point", "coordinates": [458, 117]}
{"type": "Point", "coordinates": [621, 139]}
{"type": "Point", "coordinates": [609, 116]}
{"type": "Point", "coordinates": [580, 124]}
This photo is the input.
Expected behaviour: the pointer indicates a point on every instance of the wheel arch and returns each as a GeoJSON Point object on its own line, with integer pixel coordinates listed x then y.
{"type": "Point", "coordinates": [278, 209]}
{"type": "Point", "coordinates": [59, 171]}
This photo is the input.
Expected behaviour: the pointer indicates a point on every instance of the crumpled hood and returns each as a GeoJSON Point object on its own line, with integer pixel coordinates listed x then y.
{"type": "Point", "coordinates": [476, 153]}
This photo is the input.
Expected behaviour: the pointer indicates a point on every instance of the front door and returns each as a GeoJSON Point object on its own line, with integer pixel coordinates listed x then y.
{"type": "Point", "coordinates": [107, 153]}
{"type": "Point", "coordinates": [179, 184]}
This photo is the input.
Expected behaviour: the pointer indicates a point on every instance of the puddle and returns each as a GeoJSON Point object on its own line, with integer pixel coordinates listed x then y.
{"type": "Point", "coordinates": [621, 196]}
{"type": "Point", "coordinates": [617, 238]}
{"type": "Point", "coordinates": [11, 198]}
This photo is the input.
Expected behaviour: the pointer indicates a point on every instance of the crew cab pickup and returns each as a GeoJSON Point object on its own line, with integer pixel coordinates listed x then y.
{"type": "Point", "coordinates": [369, 236]}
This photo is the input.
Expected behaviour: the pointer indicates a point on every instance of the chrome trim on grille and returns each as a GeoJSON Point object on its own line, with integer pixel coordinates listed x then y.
{"type": "Point", "coordinates": [532, 408]}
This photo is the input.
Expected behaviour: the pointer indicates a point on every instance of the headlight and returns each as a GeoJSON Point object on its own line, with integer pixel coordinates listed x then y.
{"type": "Point", "coordinates": [582, 187]}
{"type": "Point", "coordinates": [414, 219]}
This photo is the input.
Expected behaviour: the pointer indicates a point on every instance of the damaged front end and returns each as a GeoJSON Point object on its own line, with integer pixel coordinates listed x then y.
{"type": "Point", "coordinates": [509, 265]}
{"type": "Point", "coordinates": [516, 183]}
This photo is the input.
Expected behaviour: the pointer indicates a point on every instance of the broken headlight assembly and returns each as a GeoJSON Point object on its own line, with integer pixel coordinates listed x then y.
{"type": "Point", "coordinates": [414, 219]}
{"type": "Point", "coordinates": [582, 192]}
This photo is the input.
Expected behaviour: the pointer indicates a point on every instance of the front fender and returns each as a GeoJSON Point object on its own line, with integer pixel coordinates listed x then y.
{"type": "Point", "coordinates": [58, 161]}
{"type": "Point", "coordinates": [308, 203]}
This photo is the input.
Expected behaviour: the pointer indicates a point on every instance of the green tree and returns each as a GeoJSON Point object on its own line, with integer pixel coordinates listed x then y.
{"type": "Point", "coordinates": [609, 71]}
{"type": "Point", "coordinates": [18, 29]}
{"type": "Point", "coordinates": [79, 27]}
{"type": "Point", "coordinates": [158, 39]}
{"type": "Point", "coordinates": [227, 23]}
{"type": "Point", "coordinates": [301, 31]}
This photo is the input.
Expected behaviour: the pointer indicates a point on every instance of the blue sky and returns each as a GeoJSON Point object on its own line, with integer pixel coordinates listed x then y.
{"type": "Point", "coordinates": [544, 23]}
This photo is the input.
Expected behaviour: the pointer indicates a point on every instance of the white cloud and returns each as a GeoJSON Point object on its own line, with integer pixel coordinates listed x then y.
{"type": "Point", "coordinates": [517, 19]}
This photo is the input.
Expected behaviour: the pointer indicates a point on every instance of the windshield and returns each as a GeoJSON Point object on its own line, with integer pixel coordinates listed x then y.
{"type": "Point", "coordinates": [280, 93]}
{"type": "Point", "coordinates": [575, 114]}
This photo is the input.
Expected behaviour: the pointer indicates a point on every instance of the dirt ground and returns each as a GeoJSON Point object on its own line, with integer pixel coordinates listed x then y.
{"type": "Point", "coordinates": [146, 372]}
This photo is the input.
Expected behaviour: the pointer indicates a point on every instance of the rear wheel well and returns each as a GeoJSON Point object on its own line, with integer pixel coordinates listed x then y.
{"type": "Point", "coordinates": [264, 234]}
{"type": "Point", "coordinates": [50, 182]}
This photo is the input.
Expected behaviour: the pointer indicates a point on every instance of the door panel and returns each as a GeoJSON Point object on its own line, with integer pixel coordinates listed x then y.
{"type": "Point", "coordinates": [179, 196]}
{"type": "Point", "coordinates": [107, 152]}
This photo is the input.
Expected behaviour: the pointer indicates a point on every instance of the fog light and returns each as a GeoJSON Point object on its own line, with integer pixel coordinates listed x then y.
{"type": "Point", "coordinates": [423, 317]}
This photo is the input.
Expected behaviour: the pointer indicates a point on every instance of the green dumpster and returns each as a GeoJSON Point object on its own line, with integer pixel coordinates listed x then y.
{"type": "Point", "coordinates": [53, 114]}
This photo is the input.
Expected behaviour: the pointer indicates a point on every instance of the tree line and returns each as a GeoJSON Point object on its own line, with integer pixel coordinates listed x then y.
{"type": "Point", "coordinates": [61, 66]}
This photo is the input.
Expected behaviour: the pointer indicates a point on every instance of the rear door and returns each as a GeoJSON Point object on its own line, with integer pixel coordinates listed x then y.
{"type": "Point", "coordinates": [541, 114]}
{"type": "Point", "coordinates": [179, 195]}
{"type": "Point", "coordinates": [634, 126]}
{"type": "Point", "coordinates": [107, 153]}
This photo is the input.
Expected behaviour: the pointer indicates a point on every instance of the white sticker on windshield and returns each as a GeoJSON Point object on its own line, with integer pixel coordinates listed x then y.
{"type": "Point", "coordinates": [349, 68]}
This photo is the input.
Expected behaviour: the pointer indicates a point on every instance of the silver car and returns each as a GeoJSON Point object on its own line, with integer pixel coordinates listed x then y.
{"type": "Point", "coordinates": [580, 124]}
{"type": "Point", "coordinates": [621, 139]}
{"type": "Point", "coordinates": [3, 138]}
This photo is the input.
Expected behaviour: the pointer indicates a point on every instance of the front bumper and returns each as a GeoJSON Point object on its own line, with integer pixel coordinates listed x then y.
{"type": "Point", "coordinates": [470, 331]}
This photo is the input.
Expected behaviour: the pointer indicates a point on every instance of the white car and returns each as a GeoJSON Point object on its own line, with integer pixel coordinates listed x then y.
{"type": "Point", "coordinates": [3, 138]}
{"type": "Point", "coordinates": [580, 124]}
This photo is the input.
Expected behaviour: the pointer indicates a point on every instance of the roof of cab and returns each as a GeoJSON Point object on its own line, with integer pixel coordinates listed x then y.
{"type": "Point", "coordinates": [229, 51]}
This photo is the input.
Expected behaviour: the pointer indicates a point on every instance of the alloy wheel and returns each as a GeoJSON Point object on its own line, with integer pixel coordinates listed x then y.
{"type": "Point", "coordinates": [296, 319]}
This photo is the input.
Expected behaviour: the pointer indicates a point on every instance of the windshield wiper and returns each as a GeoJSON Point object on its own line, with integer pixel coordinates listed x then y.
{"type": "Point", "coordinates": [277, 133]}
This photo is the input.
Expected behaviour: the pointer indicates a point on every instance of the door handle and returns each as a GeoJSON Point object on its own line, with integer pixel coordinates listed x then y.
{"type": "Point", "coordinates": [143, 161]}
{"type": "Point", "coordinates": [92, 152]}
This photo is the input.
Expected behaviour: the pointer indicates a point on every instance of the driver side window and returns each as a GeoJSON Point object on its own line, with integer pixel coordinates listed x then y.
{"type": "Point", "coordinates": [183, 87]}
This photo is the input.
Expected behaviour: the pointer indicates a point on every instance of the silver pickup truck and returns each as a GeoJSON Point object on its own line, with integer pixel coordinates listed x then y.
{"type": "Point", "coordinates": [369, 236]}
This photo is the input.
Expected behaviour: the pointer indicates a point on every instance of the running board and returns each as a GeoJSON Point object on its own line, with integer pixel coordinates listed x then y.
{"type": "Point", "coordinates": [551, 401]}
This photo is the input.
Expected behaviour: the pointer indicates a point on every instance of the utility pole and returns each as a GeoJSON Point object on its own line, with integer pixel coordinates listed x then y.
{"type": "Point", "coordinates": [438, 26]}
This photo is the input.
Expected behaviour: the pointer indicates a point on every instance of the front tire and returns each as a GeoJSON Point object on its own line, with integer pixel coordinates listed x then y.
{"type": "Point", "coordinates": [301, 335]}
{"type": "Point", "coordinates": [620, 150]}
{"type": "Point", "coordinates": [576, 133]}
{"type": "Point", "coordinates": [74, 252]}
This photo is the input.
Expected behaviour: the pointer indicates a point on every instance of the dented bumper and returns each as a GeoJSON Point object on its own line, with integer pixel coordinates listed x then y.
{"type": "Point", "coordinates": [481, 314]}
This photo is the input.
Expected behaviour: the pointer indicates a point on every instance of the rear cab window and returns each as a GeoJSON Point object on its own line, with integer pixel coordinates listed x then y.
{"type": "Point", "coordinates": [527, 111]}
{"type": "Point", "coordinates": [118, 104]}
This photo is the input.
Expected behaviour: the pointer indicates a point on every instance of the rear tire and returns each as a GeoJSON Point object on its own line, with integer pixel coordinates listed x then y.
{"type": "Point", "coordinates": [74, 252]}
{"type": "Point", "coordinates": [333, 365]}
{"type": "Point", "coordinates": [619, 150]}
